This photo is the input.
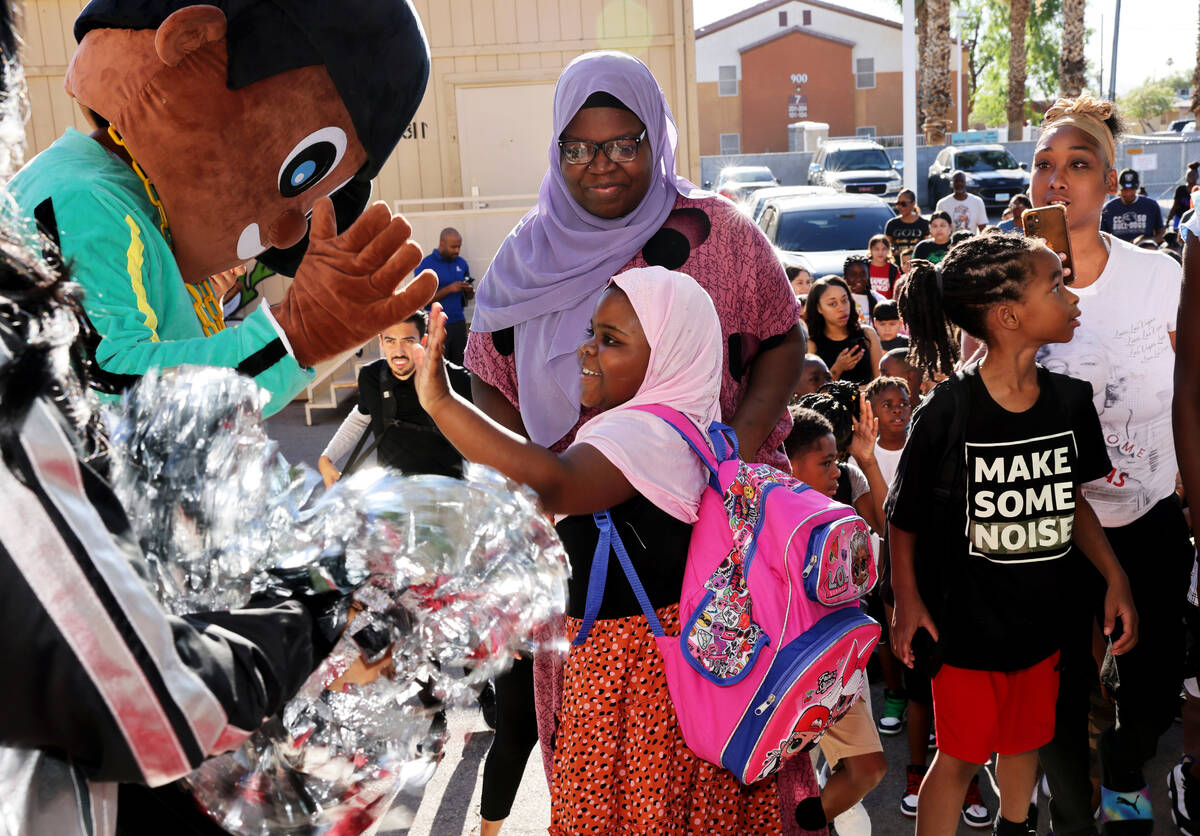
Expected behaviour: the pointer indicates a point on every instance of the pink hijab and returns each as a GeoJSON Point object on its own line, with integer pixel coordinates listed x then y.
{"type": "Point", "coordinates": [684, 373]}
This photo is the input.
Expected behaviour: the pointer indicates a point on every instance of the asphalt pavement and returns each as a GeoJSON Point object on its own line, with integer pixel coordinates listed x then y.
{"type": "Point", "coordinates": [449, 803]}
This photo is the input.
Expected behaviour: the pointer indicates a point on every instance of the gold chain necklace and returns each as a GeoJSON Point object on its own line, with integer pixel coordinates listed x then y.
{"type": "Point", "coordinates": [151, 193]}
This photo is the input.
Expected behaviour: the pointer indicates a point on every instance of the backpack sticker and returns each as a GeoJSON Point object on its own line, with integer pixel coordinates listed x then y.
{"type": "Point", "coordinates": [724, 637]}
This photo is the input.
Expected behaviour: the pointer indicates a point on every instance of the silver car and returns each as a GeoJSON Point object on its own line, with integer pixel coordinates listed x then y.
{"type": "Point", "coordinates": [824, 230]}
{"type": "Point", "coordinates": [754, 204]}
{"type": "Point", "coordinates": [736, 182]}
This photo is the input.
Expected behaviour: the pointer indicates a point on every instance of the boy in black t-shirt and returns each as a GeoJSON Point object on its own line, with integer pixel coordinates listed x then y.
{"type": "Point", "coordinates": [984, 515]}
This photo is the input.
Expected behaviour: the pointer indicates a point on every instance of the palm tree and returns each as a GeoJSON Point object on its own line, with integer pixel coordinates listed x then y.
{"type": "Point", "coordinates": [936, 60]}
{"type": "Point", "coordinates": [1018, 17]}
{"type": "Point", "coordinates": [1072, 66]}
{"type": "Point", "coordinates": [1196, 81]}
{"type": "Point", "coordinates": [922, 12]}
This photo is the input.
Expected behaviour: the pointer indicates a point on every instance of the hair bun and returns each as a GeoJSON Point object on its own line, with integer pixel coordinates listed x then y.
{"type": "Point", "coordinates": [1084, 105]}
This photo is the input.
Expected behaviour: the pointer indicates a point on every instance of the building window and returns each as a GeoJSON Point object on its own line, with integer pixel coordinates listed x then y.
{"type": "Point", "coordinates": [806, 17]}
{"type": "Point", "coordinates": [731, 144]}
{"type": "Point", "coordinates": [783, 18]}
{"type": "Point", "coordinates": [867, 131]}
{"type": "Point", "coordinates": [727, 81]}
{"type": "Point", "coordinates": [864, 73]}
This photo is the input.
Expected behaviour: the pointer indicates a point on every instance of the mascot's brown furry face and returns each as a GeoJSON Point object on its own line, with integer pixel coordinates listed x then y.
{"type": "Point", "coordinates": [240, 118]}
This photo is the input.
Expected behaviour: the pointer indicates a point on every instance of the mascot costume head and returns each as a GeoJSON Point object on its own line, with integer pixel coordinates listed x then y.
{"type": "Point", "coordinates": [241, 118]}
{"type": "Point", "coordinates": [244, 113]}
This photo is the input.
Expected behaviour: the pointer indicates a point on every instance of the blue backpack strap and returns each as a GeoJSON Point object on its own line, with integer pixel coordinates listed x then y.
{"type": "Point", "coordinates": [721, 436]}
{"type": "Point", "coordinates": [610, 538]}
{"type": "Point", "coordinates": [596, 579]}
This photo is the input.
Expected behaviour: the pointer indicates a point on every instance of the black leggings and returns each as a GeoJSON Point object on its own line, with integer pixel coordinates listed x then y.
{"type": "Point", "coordinates": [516, 735]}
{"type": "Point", "coordinates": [1156, 554]}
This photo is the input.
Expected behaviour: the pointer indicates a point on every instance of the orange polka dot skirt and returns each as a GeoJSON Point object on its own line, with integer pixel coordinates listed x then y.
{"type": "Point", "coordinates": [620, 763]}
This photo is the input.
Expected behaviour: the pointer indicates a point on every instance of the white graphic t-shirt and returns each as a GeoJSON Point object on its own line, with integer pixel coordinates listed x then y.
{"type": "Point", "coordinates": [1123, 350]}
{"type": "Point", "coordinates": [968, 214]}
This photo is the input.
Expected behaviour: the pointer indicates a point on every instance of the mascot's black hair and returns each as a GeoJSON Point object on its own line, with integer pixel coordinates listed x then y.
{"type": "Point", "coordinates": [375, 51]}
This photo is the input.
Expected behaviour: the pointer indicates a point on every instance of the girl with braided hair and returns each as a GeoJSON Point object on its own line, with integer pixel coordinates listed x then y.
{"type": "Point", "coordinates": [984, 516]}
{"type": "Point", "coordinates": [1129, 299]}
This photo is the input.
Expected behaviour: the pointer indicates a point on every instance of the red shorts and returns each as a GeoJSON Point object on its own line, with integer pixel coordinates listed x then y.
{"type": "Point", "coordinates": [976, 713]}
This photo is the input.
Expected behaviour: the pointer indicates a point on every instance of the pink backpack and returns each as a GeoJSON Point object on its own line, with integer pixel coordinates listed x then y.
{"type": "Point", "coordinates": [773, 648]}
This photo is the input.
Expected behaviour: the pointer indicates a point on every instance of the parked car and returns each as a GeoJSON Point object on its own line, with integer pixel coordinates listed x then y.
{"type": "Point", "coordinates": [856, 166]}
{"type": "Point", "coordinates": [1181, 125]}
{"type": "Point", "coordinates": [737, 181]}
{"type": "Point", "coordinates": [991, 171]}
{"type": "Point", "coordinates": [824, 230]}
{"type": "Point", "coordinates": [757, 200]}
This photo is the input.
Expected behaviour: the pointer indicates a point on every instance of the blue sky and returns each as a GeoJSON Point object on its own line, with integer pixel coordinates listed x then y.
{"type": "Point", "coordinates": [1147, 40]}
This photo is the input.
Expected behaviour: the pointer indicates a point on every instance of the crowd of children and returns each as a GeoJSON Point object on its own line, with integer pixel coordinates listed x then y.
{"type": "Point", "coordinates": [997, 413]}
{"type": "Point", "coordinates": [1012, 589]}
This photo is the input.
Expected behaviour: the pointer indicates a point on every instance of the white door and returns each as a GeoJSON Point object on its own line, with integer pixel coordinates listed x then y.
{"type": "Point", "coordinates": [503, 135]}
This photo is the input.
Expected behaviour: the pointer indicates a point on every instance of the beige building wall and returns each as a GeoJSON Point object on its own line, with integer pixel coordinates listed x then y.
{"type": "Point", "coordinates": [485, 120]}
{"type": "Point", "coordinates": [722, 115]}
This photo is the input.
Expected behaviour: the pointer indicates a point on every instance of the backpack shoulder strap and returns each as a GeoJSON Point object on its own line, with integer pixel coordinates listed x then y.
{"type": "Point", "coordinates": [610, 539]}
{"type": "Point", "coordinates": [720, 436]}
{"type": "Point", "coordinates": [951, 468]}
{"type": "Point", "coordinates": [387, 398]}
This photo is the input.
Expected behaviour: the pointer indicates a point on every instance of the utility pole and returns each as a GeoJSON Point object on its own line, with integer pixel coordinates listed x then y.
{"type": "Point", "coordinates": [958, 70]}
{"type": "Point", "coordinates": [1112, 71]}
{"type": "Point", "coordinates": [908, 52]}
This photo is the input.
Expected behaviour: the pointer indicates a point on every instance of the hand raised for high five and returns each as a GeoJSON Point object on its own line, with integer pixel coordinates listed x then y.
{"type": "Point", "coordinates": [344, 292]}
{"type": "Point", "coordinates": [430, 379]}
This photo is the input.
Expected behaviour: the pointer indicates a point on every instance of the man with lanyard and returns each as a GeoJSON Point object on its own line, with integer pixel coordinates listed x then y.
{"type": "Point", "coordinates": [454, 289]}
{"type": "Point", "coordinates": [406, 438]}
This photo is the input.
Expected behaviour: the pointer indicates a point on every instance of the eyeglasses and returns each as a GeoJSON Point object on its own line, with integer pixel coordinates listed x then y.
{"type": "Point", "coordinates": [583, 151]}
{"type": "Point", "coordinates": [904, 203]}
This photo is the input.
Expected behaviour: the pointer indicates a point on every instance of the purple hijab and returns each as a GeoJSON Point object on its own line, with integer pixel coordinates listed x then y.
{"type": "Point", "coordinates": [553, 266]}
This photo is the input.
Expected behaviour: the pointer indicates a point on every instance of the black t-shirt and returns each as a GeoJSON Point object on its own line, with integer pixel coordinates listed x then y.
{"type": "Point", "coordinates": [899, 341]}
{"type": "Point", "coordinates": [657, 545]}
{"type": "Point", "coordinates": [994, 563]}
{"type": "Point", "coordinates": [905, 234]}
{"type": "Point", "coordinates": [931, 250]}
{"type": "Point", "coordinates": [828, 350]}
{"type": "Point", "coordinates": [411, 442]}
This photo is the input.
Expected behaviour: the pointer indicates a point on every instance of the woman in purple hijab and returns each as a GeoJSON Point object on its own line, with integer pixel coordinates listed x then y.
{"type": "Point", "coordinates": [611, 201]}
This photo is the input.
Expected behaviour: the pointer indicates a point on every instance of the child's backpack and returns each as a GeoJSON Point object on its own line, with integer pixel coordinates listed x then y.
{"type": "Point", "coordinates": [773, 647]}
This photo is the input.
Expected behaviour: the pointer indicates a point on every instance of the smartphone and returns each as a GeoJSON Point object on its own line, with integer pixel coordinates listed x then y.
{"type": "Point", "coordinates": [1050, 224]}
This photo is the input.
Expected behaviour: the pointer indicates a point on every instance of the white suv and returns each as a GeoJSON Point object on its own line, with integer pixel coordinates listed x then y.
{"type": "Point", "coordinates": [854, 166]}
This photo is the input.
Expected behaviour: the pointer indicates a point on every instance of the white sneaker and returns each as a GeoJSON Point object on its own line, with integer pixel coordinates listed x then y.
{"type": "Point", "coordinates": [854, 822]}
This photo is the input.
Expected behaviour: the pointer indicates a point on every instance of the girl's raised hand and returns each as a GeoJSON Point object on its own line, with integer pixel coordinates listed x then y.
{"type": "Point", "coordinates": [866, 432]}
{"type": "Point", "coordinates": [430, 378]}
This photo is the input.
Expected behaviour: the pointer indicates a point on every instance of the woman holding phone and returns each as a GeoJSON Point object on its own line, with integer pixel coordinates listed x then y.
{"type": "Point", "coordinates": [1128, 300]}
{"type": "Point", "coordinates": [852, 351]}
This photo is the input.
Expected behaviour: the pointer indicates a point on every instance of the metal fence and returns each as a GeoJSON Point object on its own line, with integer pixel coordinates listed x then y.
{"type": "Point", "coordinates": [1161, 161]}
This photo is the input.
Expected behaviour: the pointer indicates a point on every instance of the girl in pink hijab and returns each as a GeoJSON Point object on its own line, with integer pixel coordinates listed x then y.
{"type": "Point", "coordinates": [620, 764]}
